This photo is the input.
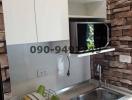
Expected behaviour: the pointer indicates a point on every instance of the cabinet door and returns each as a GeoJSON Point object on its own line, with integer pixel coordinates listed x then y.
{"type": "Point", "coordinates": [52, 20]}
{"type": "Point", "coordinates": [19, 20]}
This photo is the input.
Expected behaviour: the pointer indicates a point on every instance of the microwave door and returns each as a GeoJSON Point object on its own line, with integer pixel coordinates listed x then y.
{"type": "Point", "coordinates": [78, 37]}
{"type": "Point", "coordinates": [100, 35]}
{"type": "Point", "coordinates": [82, 32]}
{"type": "Point", "coordinates": [85, 36]}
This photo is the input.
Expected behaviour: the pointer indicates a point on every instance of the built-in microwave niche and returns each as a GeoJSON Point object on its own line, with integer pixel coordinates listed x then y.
{"type": "Point", "coordinates": [88, 34]}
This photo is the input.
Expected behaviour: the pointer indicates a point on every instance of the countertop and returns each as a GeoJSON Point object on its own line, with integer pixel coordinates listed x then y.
{"type": "Point", "coordinates": [73, 91]}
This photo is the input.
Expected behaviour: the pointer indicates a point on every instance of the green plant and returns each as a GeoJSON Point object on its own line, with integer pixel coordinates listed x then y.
{"type": "Point", "coordinates": [41, 90]}
{"type": "Point", "coordinates": [55, 97]}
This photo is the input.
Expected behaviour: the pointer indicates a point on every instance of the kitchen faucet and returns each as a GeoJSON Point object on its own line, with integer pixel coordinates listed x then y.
{"type": "Point", "coordinates": [99, 70]}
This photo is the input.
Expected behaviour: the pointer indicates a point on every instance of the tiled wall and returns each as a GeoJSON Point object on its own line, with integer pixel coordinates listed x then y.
{"type": "Point", "coordinates": [23, 71]}
{"type": "Point", "coordinates": [116, 71]}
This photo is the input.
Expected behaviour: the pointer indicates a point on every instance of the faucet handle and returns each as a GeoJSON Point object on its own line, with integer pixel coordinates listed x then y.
{"type": "Point", "coordinates": [100, 72]}
{"type": "Point", "coordinates": [105, 82]}
{"type": "Point", "coordinates": [98, 68]}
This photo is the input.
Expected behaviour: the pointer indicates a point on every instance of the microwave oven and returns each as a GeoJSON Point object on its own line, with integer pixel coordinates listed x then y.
{"type": "Point", "coordinates": [89, 36]}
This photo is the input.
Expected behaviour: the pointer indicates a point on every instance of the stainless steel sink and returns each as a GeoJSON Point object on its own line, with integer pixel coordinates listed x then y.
{"type": "Point", "coordinates": [99, 94]}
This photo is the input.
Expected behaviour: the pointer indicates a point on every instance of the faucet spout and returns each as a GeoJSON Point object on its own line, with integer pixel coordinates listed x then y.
{"type": "Point", "coordinates": [99, 68]}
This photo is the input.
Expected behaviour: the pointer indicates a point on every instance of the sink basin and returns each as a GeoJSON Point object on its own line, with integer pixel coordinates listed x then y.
{"type": "Point", "coordinates": [99, 94]}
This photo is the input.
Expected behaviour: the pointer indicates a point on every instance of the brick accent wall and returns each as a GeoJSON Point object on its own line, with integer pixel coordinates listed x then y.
{"type": "Point", "coordinates": [4, 67]}
{"type": "Point", "coordinates": [119, 12]}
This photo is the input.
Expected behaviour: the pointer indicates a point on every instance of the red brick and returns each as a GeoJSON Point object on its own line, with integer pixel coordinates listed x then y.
{"type": "Point", "coordinates": [112, 78]}
{"type": "Point", "coordinates": [121, 9]}
{"type": "Point", "coordinates": [127, 32]}
{"type": "Point", "coordinates": [112, 74]}
{"type": "Point", "coordinates": [115, 43]}
{"type": "Point", "coordinates": [99, 56]}
{"type": "Point", "coordinates": [3, 60]}
{"type": "Point", "coordinates": [3, 74]}
{"type": "Point", "coordinates": [129, 66]}
{"type": "Point", "coordinates": [108, 7]}
{"type": "Point", "coordinates": [122, 27]}
{"type": "Point", "coordinates": [112, 1]}
{"type": "Point", "coordinates": [116, 33]}
{"type": "Point", "coordinates": [111, 58]}
{"type": "Point", "coordinates": [116, 64]}
{"type": "Point", "coordinates": [2, 36]}
{"type": "Point", "coordinates": [109, 53]}
{"type": "Point", "coordinates": [2, 28]}
{"type": "Point", "coordinates": [124, 42]}
{"type": "Point", "coordinates": [129, 21]}
{"type": "Point", "coordinates": [1, 19]}
{"type": "Point", "coordinates": [122, 53]}
{"type": "Point", "coordinates": [118, 21]}
{"type": "Point", "coordinates": [122, 3]}
{"type": "Point", "coordinates": [124, 49]}
{"type": "Point", "coordinates": [126, 81]}
{"type": "Point", "coordinates": [109, 11]}
{"type": "Point", "coordinates": [112, 5]}
{"type": "Point", "coordinates": [123, 71]}
{"type": "Point", "coordinates": [125, 38]}
{"type": "Point", "coordinates": [123, 14]}
{"type": "Point", "coordinates": [126, 76]}
{"type": "Point", "coordinates": [123, 46]}
{"type": "Point", "coordinates": [114, 38]}
{"type": "Point", "coordinates": [1, 9]}
{"type": "Point", "coordinates": [130, 44]}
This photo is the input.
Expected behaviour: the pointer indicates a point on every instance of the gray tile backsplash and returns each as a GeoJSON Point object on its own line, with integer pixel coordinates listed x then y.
{"type": "Point", "coordinates": [24, 66]}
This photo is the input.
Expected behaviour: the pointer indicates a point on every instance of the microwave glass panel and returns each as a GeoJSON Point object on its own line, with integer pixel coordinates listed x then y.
{"type": "Point", "coordinates": [91, 36]}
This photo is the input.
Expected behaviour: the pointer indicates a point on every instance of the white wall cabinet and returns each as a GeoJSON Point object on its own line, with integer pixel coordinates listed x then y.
{"type": "Point", "coordinates": [52, 20]}
{"type": "Point", "coordinates": [27, 21]}
{"type": "Point", "coordinates": [19, 21]}
{"type": "Point", "coordinates": [87, 8]}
